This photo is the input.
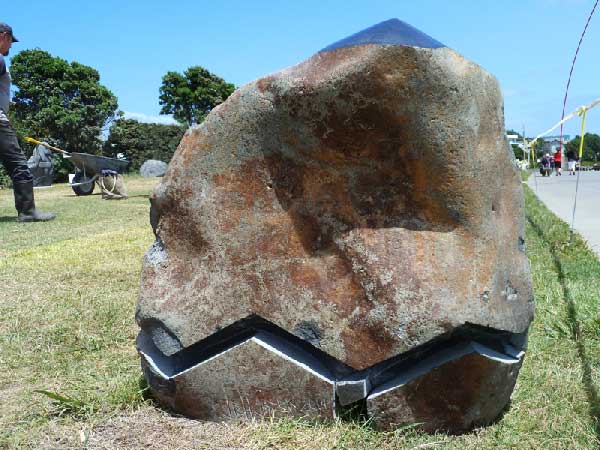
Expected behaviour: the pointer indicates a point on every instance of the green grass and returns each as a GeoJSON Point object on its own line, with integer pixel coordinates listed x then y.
{"type": "Point", "coordinates": [66, 327]}
{"type": "Point", "coordinates": [66, 307]}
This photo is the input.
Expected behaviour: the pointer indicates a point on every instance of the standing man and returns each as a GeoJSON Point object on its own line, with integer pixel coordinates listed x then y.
{"type": "Point", "coordinates": [558, 162]}
{"type": "Point", "coordinates": [11, 155]}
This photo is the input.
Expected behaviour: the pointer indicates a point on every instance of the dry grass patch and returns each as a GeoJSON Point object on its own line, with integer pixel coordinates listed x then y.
{"type": "Point", "coordinates": [149, 428]}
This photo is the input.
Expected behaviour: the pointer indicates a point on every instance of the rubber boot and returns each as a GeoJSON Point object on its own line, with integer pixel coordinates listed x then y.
{"type": "Point", "coordinates": [26, 205]}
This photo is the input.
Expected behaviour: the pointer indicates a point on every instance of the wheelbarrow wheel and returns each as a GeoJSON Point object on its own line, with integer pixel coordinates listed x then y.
{"type": "Point", "coordinates": [83, 189]}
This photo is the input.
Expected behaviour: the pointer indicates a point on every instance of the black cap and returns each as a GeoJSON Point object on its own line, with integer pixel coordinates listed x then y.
{"type": "Point", "coordinates": [6, 28]}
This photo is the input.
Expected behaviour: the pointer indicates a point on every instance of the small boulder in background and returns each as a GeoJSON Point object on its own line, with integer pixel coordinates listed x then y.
{"type": "Point", "coordinates": [153, 168]}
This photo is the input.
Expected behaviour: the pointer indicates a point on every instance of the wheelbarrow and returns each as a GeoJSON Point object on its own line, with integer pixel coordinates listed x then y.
{"type": "Point", "coordinates": [87, 167]}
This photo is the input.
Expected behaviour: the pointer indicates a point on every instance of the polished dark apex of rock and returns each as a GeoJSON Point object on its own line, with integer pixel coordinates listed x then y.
{"type": "Point", "coordinates": [390, 32]}
{"type": "Point", "coordinates": [347, 208]}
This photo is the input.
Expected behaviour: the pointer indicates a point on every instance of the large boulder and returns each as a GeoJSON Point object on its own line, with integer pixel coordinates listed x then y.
{"type": "Point", "coordinates": [363, 210]}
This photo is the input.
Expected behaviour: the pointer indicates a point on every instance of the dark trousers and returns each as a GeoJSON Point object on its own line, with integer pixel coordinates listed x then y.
{"type": "Point", "coordinates": [11, 155]}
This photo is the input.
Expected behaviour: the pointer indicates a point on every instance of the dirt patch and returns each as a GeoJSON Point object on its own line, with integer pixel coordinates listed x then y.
{"type": "Point", "coordinates": [150, 428]}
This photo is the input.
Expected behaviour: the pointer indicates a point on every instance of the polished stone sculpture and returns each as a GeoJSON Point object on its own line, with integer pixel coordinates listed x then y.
{"type": "Point", "coordinates": [347, 232]}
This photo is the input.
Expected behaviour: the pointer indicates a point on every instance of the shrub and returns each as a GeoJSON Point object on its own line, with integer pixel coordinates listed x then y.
{"type": "Point", "coordinates": [139, 141]}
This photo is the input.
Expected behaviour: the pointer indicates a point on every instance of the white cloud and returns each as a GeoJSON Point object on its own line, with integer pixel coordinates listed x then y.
{"type": "Point", "coordinates": [145, 118]}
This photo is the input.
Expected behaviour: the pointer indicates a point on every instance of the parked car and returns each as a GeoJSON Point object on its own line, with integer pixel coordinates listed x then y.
{"type": "Point", "coordinates": [596, 167]}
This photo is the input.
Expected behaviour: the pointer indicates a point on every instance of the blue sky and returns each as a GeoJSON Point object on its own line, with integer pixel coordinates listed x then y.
{"type": "Point", "coordinates": [527, 44]}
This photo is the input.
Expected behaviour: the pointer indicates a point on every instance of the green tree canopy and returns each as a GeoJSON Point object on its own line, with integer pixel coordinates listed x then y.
{"type": "Point", "coordinates": [511, 131]}
{"type": "Point", "coordinates": [61, 101]}
{"type": "Point", "coordinates": [139, 142]}
{"type": "Point", "coordinates": [191, 96]}
{"type": "Point", "coordinates": [518, 151]}
{"type": "Point", "coordinates": [591, 146]}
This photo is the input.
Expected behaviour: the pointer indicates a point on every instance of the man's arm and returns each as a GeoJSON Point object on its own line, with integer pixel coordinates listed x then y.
{"type": "Point", "coordinates": [3, 117]}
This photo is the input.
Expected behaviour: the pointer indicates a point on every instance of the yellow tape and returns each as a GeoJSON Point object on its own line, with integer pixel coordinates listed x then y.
{"type": "Point", "coordinates": [582, 112]}
{"type": "Point", "coordinates": [32, 140]}
{"type": "Point", "coordinates": [569, 117]}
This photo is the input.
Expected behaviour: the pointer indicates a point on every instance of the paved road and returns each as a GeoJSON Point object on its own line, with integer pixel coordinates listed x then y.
{"type": "Point", "coordinates": [558, 194]}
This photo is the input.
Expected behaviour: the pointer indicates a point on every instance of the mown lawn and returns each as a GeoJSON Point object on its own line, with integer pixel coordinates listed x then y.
{"type": "Point", "coordinates": [67, 297]}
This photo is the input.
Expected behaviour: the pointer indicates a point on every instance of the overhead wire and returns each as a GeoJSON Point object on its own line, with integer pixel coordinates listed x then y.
{"type": "Point", "coordinates": [581, 111]}
{"type": "Point", "coordinates": [571, 71]}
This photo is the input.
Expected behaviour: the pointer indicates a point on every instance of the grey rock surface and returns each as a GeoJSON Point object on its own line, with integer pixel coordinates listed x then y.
{"type": "Point", "coordinates": [40, 165]}
{"type": "Point", "coordinates": [153, 168]}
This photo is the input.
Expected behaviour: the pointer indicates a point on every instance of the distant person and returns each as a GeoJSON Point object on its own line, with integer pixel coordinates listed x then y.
{"type": "Point", "coordinates": [558, 162]}
{"type": "Point", "coordinates": [546, 165]}
{"type": "Point", "coordinates": [12, 157]}
{"type": "Point", "coordinates": [572, 161]}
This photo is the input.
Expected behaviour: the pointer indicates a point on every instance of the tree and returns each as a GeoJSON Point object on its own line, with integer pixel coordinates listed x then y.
{"type": "Point", "coordinates": [191, 96]}
{"type": "Point", "coordinates": [591, 146]}
{"type": "Point", "coordinates": [60, 101]}
{"type": "Point", "coordinates": [518, 151]}
{"type": "Point", "coordinates": [141, 141]}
